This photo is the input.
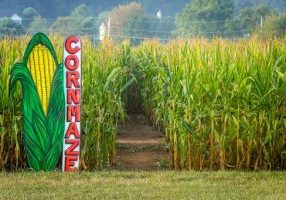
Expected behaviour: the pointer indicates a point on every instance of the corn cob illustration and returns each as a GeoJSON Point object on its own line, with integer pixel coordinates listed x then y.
{"type": "Point", "coordinates": [41, 78]}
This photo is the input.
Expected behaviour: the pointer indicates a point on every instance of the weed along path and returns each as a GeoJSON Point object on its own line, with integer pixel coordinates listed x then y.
{"type": "Point", "coordinates": [139, 146]}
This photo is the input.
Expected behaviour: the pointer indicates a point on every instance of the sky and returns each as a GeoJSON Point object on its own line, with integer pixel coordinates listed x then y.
{"type": "Point", "coordinates": [55, 8]}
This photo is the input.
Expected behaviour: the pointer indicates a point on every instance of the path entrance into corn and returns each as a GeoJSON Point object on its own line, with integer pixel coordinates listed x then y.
{"type": "Point", "coordinates": [139, 146]}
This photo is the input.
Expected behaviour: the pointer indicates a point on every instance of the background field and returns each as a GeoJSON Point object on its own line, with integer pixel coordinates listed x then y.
{"type": "Point", "coordinates": [143, 185]}
{"type": "Point", "coordinates": [221, 104]}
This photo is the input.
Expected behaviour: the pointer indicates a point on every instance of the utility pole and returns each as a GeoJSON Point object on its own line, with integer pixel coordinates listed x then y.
{"type": "Point", "coordinates": [159, 15]}
{"type": "Point", "coordinates": [261, 23]}
{"type": "Point", "coordinates": [102, 31]}
{"type": "Point", "coordinates": [108, 27]}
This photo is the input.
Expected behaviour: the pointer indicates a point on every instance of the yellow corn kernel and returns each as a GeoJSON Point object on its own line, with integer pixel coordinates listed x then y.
{"type": "Point", "coordinates": [42, 68]}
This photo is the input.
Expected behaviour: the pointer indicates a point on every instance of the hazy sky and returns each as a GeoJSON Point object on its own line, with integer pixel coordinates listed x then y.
{"type": "Point", "coordinates": [53, 8]}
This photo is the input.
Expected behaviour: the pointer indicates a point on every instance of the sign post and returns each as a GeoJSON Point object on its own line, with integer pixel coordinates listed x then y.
{"type": "Point", "coordinates": [72, 90]}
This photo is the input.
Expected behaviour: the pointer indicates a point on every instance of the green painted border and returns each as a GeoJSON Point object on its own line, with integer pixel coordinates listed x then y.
{"type": "Point", "coordinates": [39, 38]}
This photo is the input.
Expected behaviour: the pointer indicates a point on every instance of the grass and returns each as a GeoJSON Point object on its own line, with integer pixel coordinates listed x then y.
{"type": "Point", "coordinates": [143, 185]}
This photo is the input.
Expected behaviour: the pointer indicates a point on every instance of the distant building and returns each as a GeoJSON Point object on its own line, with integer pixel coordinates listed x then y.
{"type": "Point", "coordinates": [102, 32]}
{"type": "Point", "coordinates": [159, 14]}
{"type": "Point", "coordinates": [16, 18]}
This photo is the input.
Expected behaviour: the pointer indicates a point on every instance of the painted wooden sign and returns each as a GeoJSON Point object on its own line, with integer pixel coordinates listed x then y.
{"type": "Point", "coordinates": [72, 87]}
{"type": "Point", "coordinates": [51, 103]}
{"type": "Point", "coordinates": [43, 102]}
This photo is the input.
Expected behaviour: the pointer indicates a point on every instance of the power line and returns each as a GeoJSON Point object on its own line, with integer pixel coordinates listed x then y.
{"type": "Point", "coordinates": [149, 38]}
{"type": "Point", "coordinates": [119, 34]}
{"type": "Point", "coordinates": [141, 37]}
{"type": "Point", "coordinates": [96, 37]}
{"type": "Point", "coordinates": [144, 20]}
{"type": "Point", "coordinates": [94, 17]}
{"type": "Point", "coordinates": [134, 30]}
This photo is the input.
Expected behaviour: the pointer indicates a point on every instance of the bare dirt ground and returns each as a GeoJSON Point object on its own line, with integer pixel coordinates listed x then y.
{"type": "Point", "coordinates": [139, 146]}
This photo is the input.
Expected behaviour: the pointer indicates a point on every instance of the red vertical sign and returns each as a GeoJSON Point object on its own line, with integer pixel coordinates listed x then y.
{"type": "Point", "coordinates": [72, 87]}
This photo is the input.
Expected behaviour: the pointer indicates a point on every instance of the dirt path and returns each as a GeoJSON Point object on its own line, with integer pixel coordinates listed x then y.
{"type": "Point", "coordinates": [140, 147]}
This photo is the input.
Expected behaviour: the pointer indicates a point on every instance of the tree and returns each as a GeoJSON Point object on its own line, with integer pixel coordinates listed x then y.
{"type": "Point", "coordinates": [204, 18]}
{"type": "Point", "coordinates": [277, 4]}
{"type": "Point", "coordinates": [124, 18]}
{"type": "Point", "coordinates": [80, 11]}
{"type": "Point", "coordinates": [9, 27]}
{"type": "Point", "coordinates": [136, 28]}
{"type": "Point", "coordinates": [248, 20]}
{"type": "Point", "coordinates": [37, 25]}
{"type": "Point", "coordinates": [274, 26]}
{"type": "Point", "coordinates": [63, 25]}
{"type": "Point", "coordinates": [240, 4]}
{"type": "Point", "coordinates": [77, 22]}
{"type": "Point", "coordinates": [28, 15]}
{"type": "Point", "coordinates": [251, 17]}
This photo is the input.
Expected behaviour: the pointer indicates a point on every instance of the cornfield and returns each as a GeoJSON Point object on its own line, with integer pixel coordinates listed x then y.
{"type": "Point", "coordinates": [105, 80]}
{"type": "Point", "coordinates": [220, 104]}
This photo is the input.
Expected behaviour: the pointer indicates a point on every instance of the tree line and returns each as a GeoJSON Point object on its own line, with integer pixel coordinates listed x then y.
{"type": "Point", "coordinates": [198, 18]}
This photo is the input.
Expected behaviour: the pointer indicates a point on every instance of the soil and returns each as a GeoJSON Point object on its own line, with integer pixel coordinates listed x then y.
{"type": "Point", "coordinates": [139, 146]}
